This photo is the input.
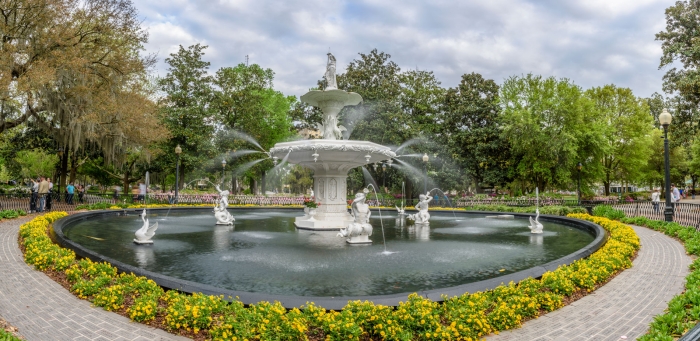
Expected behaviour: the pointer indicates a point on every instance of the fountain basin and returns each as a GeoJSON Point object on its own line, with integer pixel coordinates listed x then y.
{"type": "Point", "coordinates": [265, 258]}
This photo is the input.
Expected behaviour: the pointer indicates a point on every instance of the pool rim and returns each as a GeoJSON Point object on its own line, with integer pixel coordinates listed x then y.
{"type": "Point", "coordinates": [328, 302]}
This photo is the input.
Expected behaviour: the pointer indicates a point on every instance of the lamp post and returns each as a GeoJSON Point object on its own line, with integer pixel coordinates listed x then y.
{"type": "Point", "coordinates": [425, 170]}
{"type": "Point", "coordinates": [579, 166]}
{"type": "Point", "coordinates": [223, 171]}
{"type": "Point", "coordinates": [665, 120]}
{"type": "Point", "coordinates": [178, 150]}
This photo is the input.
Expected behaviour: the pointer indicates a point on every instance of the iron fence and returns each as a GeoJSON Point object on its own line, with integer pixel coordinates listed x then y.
{"type": "Point", "coordinates": [684, 213]}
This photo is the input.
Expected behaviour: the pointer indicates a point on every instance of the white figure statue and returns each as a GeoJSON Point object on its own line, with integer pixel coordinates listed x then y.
{"type": "Point", "coordinates": [535, 225]}
{"type": "Point", "coordinates": [223, 217]}
{"type": "Point", "coordinates": [359, 230]}
{"type": "Point", "coordinates": [312, 192]}
{"type": "Point", "coordinates": [145, 233]}
{"type": "Point", "coordinates": [330, 73]}
{"type": "Point", "coordinates": [422, 217]}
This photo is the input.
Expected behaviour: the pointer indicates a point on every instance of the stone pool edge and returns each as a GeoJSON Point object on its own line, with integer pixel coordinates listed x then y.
{"type": "Point", "coordinates": [332, 303]}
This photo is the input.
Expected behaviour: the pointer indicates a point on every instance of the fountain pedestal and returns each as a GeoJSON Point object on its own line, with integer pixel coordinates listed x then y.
{"type": "Point", "coordinates": [331, 160]}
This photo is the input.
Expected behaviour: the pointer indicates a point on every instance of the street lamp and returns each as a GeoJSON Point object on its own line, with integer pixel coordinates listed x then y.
{"type": "Point", "coordinates": [223, 171]}
{"type": "Point", "coordinates": [425, 170]}
{"type": "Point", "coordinates": [579, 166]}
{"type": "Point", "coordinates": [665, 120]}
{"type": "Point", "coordinates": [178, 150]}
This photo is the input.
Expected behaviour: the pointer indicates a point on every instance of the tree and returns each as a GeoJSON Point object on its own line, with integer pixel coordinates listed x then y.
{"type": "Point", "coordinates": [245, 101]}
{"type": "Point", "coordinates": [626, 126]}
{"type": "Point", "coordinates": [680, 42]}
{"type": "Point", "coordinates": [34, 163]}
{"type": "Point", "coordinates": [544, 121]}
{"type": "Point", "coordinates": [470, 127]}
{"type": "Point", "coordinates": [74, 70]}
{"type": "Point", "coordinates": [185, 109]}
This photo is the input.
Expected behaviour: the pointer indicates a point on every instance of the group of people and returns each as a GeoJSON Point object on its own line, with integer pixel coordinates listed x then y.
{"type": "Point", "coordinates": [42, 191]}
{"type": "Point", "coordinates": [656, 197]}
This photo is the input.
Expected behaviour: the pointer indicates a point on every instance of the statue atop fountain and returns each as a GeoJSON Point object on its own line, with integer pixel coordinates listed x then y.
{"type": "Point", "coordinates": [422, 217]}
{"type": "Point", "coordinates": [358, 231]}
{"type": "Point", "coordinates": [223, 217]}
{"type": "Point", "coordinates": [331, 83]}
{"type": "Point", "coordinates": [330, 157]}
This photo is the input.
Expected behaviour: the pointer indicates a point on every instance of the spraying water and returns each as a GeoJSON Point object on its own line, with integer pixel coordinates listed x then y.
{"type": "Point", "coordinates": [245, 137]}
{"type": "Point", "coordinates": [369, 180]}
{"type": "Point", "coordinates": [381, 222]}
{"type": "Point", "coordinates": [244, 167]}
{"type": "Point", "coordinates": [408, 143]}
{"type": "Point", "coordinates": [448, 201]}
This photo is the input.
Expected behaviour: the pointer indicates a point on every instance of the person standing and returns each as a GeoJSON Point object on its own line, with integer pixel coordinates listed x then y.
{"type": "Point", "coordinates": [70, 191]}
{"type": "Point", "coordinates": [655, 200]}
{"type": "Point", "coordinates": [117, 189]}
{"type": "Point", "coordinates": [35, 196]}
{"type": "Point", "coordinates": [42, 192]}
{"type": "Point", "coordinates": [49, 195]}
{"type": "Point", "coordinates": [81, 193]}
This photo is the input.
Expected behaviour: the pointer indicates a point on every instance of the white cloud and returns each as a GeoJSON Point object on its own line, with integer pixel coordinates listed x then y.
{"type": "Point", "coordinates": [592, 42]}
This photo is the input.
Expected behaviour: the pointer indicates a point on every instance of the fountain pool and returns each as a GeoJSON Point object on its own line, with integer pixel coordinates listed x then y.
{"type": "Point", "coordinates": [264, 254]}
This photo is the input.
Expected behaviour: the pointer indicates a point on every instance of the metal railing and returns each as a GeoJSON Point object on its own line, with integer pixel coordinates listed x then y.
{"type": "Point", "coordinates": [684, 213]}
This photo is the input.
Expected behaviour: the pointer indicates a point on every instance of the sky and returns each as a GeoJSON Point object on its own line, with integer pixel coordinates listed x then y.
{"type": "Point", "coordinates": [591, 42]}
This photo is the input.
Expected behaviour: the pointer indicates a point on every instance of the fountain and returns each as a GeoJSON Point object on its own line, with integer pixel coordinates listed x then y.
{"type": "Point", "coordinates": [535, 225]}
{"type": "Point", "coordinates": [331, 157]}
{"type": "Point", "coordinates": [359, 231]}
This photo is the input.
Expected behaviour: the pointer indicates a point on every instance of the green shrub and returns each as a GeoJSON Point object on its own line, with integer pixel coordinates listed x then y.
{"type": "Point", "coordinates": [608, 211]}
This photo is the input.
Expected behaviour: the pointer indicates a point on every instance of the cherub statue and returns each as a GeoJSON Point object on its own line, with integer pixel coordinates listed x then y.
{"type": "Point", "coordinates": [223, 217]}
{"type": "Point", "coordinates": [360, 214]}
{"type": "Point", "coordinates": [422, 217]}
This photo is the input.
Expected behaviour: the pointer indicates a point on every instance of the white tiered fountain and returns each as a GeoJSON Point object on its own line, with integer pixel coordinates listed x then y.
{"type": "Point", "coordinates": [331, 157]}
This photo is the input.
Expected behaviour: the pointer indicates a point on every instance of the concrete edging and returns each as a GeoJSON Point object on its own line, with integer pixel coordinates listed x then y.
{"type": "Point", "coordinates": [333, 303]}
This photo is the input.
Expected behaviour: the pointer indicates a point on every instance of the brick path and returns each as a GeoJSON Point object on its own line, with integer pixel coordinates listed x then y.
{"type": "Point", "coordinates": [43, 310]}
{"type": "Point", "coordinates": [623, 307]}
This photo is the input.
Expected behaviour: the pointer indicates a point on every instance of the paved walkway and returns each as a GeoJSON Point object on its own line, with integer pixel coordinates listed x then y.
{"type": "Point", "coordinates": [43, 310]}
{"type": "Point", "coordinates": [622, 308]}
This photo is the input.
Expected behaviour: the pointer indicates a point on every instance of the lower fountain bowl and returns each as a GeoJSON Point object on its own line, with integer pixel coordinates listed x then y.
{"type": "Point", "coordinates": [263, 257]}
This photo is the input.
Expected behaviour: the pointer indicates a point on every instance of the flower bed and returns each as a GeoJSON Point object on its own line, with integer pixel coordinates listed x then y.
{"type": "Point", "coordinates": [683, 310]}
{"type": "Point", "coordinates": [465, 317]}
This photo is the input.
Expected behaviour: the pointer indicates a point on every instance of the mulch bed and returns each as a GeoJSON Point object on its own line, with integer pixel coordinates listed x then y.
{"type": "Point", "coordinates": [4, 325]}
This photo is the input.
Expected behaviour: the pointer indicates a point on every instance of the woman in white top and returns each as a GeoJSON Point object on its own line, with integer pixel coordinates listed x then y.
{"type": "Point", "coordinates": [655, 199]}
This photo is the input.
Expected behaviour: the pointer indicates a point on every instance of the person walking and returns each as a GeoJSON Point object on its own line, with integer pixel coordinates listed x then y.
{"type": "Point", "coordinates": [42, 192]}
{"type": "Point", "coordinates": [70, 191]}
{"type": "Point", "coordinates": [655, 200]}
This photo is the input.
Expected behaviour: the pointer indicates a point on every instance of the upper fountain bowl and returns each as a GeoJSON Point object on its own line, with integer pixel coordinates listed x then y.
{"type": "Point", "coordinates": [319, 98]}
{"type": "Point", "coordinates": [317, 153]}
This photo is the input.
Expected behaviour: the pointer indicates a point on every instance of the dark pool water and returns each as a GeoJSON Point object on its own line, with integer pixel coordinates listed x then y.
{"type": "Point", "coordinates": [265, 253]}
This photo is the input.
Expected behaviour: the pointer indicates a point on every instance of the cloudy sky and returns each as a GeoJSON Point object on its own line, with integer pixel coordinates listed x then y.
{"type": "Point", "coordinates": [592, 42]}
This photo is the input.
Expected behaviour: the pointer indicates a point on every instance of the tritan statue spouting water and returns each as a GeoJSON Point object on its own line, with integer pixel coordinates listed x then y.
{"type": "Point", "coordinates": [358, 231]}
{"type": "Point", "coordinates": [422, 217]}
{"type": "Point", "coordinates": [223, 217]}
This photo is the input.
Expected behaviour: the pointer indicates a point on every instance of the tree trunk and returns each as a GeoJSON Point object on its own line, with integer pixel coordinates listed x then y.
{"type": "Point", "coordinates": [73, 167]}
{"type": "Point", "coordinates": [263, 183]}
{"type": "Point", "coordinates": [63, 171]}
